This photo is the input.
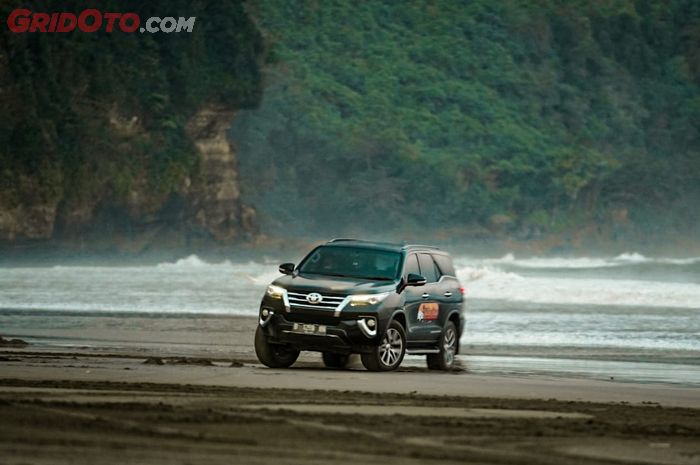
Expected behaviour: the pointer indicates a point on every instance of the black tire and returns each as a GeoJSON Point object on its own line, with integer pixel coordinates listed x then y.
{"type": "Point", "coordinates": [389, 353]}
{"type": "Point", "coordinates": [332, 360]}
{"type": "Point", "coordinates": [445, 360]}
{"type": "Point", "coordinates": [273, 355]}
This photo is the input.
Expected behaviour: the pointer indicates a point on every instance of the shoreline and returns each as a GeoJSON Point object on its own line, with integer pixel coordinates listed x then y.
{"type": "Point", "coordinates": [631, 371]}
{"type": "Point", "coordinates": [219, 336]}
{"type": "Point", "coordinates": [309, 374]}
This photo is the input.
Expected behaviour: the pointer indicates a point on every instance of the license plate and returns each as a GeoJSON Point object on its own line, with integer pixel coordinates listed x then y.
{"type": "Point", "coordinates": [308, 328]}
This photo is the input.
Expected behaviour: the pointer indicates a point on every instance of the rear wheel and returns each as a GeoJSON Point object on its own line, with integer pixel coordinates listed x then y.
{"type": "Point", "coordinates": [389, 353]}
{"type": "Point", "coordinates": [445, 360]}
{"type": "Point", "coordinates": [332, 360]}
{"type": "Point", "coordinates": [273, 355]}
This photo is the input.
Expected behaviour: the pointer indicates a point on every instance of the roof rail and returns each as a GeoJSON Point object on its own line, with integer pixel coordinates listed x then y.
{"type": "Point", "coordinates": [406, 246]}
{"type": "Point", "coordinates": [403, 244]}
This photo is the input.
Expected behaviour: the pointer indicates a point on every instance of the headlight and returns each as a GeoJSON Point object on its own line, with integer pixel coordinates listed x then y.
{"type": "Point", "coordinates": [276, 292]}
{"type": "Point", "coordinates": [360, 300]}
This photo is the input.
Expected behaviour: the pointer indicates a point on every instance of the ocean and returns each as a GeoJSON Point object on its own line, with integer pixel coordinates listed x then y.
{"type": "Point", "coordinates": [624, 308]}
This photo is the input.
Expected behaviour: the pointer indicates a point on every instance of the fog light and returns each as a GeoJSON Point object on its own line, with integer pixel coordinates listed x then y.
{"type": "Point", "coordinates": [367, 326]}
{"type": "Point", "coordinates": [265, 316]}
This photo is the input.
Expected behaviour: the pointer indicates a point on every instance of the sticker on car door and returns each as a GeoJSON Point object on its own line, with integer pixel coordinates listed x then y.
{"type": "Point", "coordinates": [428, 311]}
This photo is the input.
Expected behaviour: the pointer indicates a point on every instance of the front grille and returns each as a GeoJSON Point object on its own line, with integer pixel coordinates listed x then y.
{"type": "Point", "coordinates": [328, 302]}
{"type": "Point", "coordinates": [325, 318]}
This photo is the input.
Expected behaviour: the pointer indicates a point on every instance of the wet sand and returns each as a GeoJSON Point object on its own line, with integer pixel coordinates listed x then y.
{"type": "Point", "coordinates": [183, 389]}
{"type": "Point", "coordinates": [79, 406]}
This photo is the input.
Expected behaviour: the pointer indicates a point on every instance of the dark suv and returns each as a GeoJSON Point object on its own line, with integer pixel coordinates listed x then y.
{"type": "Point", "coordinates": [376, 299]}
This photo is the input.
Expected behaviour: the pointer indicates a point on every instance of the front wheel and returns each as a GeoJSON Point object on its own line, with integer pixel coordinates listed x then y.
{"type": "Point", "coordinates": [273, 355]}
{"type": "Point", "coordinates": [445, 360]}
{"type": "Point", "coordinates": [389, 353]}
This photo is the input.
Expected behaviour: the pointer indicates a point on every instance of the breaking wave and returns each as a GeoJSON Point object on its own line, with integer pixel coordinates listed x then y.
{"type": "Point", "coordinates": [192, 261]}
{"type": "Point", "coordinates": [486, 282]}
{"type": "Point", "coordinates": [624, 259]}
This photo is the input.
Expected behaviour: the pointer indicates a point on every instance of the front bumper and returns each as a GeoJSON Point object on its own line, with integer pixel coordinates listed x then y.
{"type": "Point", "coordinates": [345, 335]}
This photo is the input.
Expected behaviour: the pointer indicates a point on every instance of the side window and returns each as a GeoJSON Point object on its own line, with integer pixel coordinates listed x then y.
{"type": "Point", "coordinates": [412, 265]}
{"type": "Point", "coordinates": [427, 267]}
{"type": "Point", "coordinates": [438, 272]}
{"type": "Point", "coordinates": [445, 265]}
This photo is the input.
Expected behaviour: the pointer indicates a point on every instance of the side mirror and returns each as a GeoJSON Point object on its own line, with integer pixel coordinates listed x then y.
{"type": "Point", "coordinates": [287, 268]}
{"type": "Point", "coordinates": [414, 279]}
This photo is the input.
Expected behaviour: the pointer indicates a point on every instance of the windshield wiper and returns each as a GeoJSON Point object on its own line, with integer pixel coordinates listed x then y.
{"type": "Point", "coordinates": [335, 274]}
{"type": "Point", "coordinates": [338, 275]}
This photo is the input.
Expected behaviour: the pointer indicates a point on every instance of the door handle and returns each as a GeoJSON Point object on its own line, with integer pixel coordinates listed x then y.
{"type": "Point", "coordinates": [448, 294]}
{"type": "Point", "coordinates": [425, 295]}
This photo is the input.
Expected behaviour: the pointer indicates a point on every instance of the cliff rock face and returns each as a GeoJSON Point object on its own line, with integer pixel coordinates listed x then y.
{"type": "Point", "coordinates": [126, 151]}
{"type": "Point", "coordinates": [33, 219]}
{"type": "Point", "coordinates": [213, 194]}
{"type": "Point", "coordinates": [206, 208]}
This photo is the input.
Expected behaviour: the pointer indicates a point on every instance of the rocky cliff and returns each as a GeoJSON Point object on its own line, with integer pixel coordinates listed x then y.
{"type": "Point", "coordinates": [213, 196]}
{"type": "Point", "coordinates": [119, 141]}
{"type": "Point", "coordinates": [206, 206]}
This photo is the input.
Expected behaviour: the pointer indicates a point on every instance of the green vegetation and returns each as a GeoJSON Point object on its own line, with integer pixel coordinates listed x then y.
{"type": "Point", "coordinates": [521, 117]}
{"type": "Point", "coordinates": [87, 115]}
{"type": "Point", "coordinates": [524, 116]}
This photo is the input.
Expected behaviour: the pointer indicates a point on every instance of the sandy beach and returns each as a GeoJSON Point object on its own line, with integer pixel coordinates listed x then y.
{"type": "Point", "coordinates": [88, 406]}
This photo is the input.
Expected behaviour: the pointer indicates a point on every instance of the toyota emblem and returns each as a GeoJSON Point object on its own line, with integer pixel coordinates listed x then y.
{"type": "Point", "coordinates": [314, 298]}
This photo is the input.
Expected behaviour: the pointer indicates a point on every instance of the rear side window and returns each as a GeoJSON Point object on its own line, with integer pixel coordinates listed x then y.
{"type": "Point", "coordinates": [427, 267]}
{"type": "Point", "coordinates": [412, 265]}
{"type": "Point", "coordinates": [445, 265]}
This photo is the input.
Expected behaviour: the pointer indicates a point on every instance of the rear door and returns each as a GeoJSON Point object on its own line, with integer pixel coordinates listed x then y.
{"type": "Point", "coordinates": [448, 288]}
{"type": "Point", "coordinates": [428, 312]}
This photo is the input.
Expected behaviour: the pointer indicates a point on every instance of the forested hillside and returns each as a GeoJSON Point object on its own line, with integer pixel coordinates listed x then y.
{"type": "Point", "coordinates": [512, 119]}
{"type": "Point", "coordinates": [477, 116]}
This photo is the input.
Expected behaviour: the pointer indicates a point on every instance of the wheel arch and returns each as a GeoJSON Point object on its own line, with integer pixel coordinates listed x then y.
{"type": "Point", "coordinates": [399, 316]}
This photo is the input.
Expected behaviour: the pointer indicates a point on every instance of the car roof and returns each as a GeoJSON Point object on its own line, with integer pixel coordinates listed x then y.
{"type": "Point", "coordinates": [396, 247]}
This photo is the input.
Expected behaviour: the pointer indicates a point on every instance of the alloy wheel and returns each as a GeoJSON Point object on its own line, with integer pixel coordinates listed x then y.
{"type": "Point", "coordinates": [391, 347]}
{"type": "Point", "coordinates": [449, 346]}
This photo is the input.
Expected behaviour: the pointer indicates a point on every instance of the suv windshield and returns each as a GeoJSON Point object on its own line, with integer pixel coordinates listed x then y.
{"type": "Point", "coordinates": [352, 262]}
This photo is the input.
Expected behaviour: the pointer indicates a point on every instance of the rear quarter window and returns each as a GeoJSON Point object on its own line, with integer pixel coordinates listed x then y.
{"type": "Point", "coordinates": [445, 265]}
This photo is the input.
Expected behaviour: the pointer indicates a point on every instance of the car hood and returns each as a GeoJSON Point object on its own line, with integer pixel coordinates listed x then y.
{"type": "Point", "coordinates": [321, 283]}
